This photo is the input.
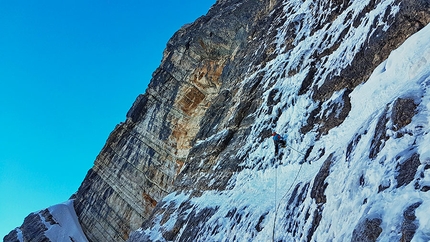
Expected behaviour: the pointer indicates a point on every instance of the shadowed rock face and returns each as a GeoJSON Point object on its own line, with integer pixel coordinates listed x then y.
{"type": "Point", "coordinates": [184, 132]}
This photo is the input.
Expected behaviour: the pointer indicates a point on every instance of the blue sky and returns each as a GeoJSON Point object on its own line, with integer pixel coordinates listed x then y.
{"type": "Point", "coordinates": [69, 72]}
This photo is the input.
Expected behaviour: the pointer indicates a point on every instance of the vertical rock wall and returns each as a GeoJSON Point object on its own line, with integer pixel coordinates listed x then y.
{"type": "Point", "coordinates": [144, 155]}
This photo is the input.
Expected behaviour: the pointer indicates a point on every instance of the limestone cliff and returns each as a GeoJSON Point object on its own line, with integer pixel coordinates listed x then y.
{"type": "Point", "coordinates": [145, 155]}
{"type": "Point", "coordinates": [194, 158]}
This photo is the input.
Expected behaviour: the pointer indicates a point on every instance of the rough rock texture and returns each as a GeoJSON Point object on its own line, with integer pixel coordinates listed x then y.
{"type": "Point", "coordinates": [32, 229]}
{"type": "Point", "coordinates": [145, 155]}
{"type": "Point", "coordinates": [213, 102]}
{"type": "Point", "coordinates": [367, 231]}
{"type": "Point", "coordinates": [409, 225]}
{"type": "Point", "coordinates": [12, 236]}
{"type": "Point", "coordinates": [407, 170]}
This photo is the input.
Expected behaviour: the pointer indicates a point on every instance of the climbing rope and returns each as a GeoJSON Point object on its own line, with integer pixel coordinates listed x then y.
{"type": "Point", "coordinates": [297, 150]}
{"type": "Point", "coordinates": [276, 192]}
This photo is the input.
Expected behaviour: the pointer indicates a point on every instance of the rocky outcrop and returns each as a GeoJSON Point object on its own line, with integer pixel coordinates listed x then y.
{"type": "Point", "coordinates": [409, 225]}
{"type": "Point", "coordinates": [57, 223]}
{"type": "Point", "coordinates": [367, 230]}
{"type": "Point", "coordinates": [193, 160]}
{"type": "Point", "coordinates": [33, 229]}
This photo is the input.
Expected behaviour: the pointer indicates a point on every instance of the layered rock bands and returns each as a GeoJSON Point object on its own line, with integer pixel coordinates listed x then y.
{"type": "Point", "coordinates": [144, 156]}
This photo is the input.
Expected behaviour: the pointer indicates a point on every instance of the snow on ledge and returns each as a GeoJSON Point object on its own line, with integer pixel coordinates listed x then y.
{"type": "Point", "coordinates": [67, 227]}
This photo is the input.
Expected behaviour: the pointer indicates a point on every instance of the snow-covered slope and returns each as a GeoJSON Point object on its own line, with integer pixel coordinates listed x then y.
{"type": "Point", "coordinates": [66, 226]}
{"type": "Point", "coordinates": [365, 179]}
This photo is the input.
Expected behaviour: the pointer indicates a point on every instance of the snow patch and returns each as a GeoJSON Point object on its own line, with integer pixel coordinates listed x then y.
{"type": "Point", "coordinates": [67, 227]}
{"type": "Point", "coordinates": [19, 235]}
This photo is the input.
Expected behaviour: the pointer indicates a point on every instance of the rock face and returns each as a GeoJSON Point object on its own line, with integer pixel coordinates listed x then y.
{"type": "Point", "coordinates": [146, 154]}
{"type": "Point", "coordinates": [193, 160]}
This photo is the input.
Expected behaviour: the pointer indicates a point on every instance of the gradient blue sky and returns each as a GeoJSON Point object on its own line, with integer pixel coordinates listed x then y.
{"type": "Point", "coordinates": [69, 72]}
